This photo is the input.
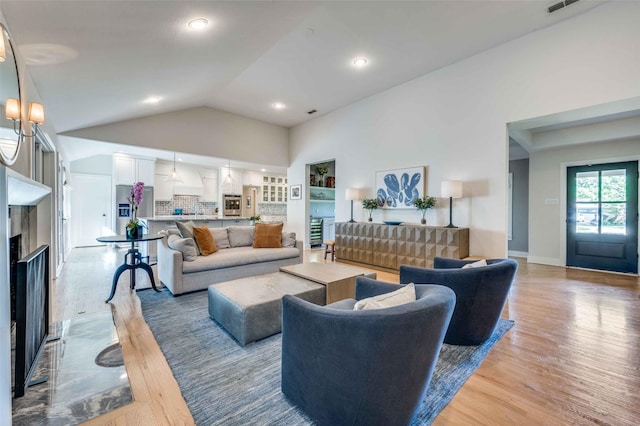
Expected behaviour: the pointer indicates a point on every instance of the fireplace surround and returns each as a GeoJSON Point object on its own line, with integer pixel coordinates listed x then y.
{"type": "Point", "coordinates": [30, 203]}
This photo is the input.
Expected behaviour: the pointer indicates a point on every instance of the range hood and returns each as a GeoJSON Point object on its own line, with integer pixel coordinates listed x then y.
{"type": "Point", "coordinates": [189, 183]}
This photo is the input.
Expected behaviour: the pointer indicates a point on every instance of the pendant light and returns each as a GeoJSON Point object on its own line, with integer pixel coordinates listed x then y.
{"type": "Point", "coordinates": [174, 177]}
{"type": "Point", "coordinates": [228, 180]}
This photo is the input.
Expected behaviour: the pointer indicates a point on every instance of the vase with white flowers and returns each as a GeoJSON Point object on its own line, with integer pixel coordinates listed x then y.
{"type": "Point", "coordinates": [322, 170]}
{"type": "Point", "coordinates": [135, 228]}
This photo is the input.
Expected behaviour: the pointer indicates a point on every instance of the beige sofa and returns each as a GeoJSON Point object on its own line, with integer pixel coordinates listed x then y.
{"type": "Point", "coordinates": [235, 258]}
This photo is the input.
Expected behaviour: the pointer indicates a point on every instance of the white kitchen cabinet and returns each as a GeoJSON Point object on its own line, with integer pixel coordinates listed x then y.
{"type": "Point", "coordinates": [129, 170]}
{"type": "Point", "coordinates": [274, 189]}
{"type": "Point", "coordinates": [146, 170]}
{"type": "Point", "coordinates": [328, 229]}
{"type": "Point", "coordinates": [209, 189]}
{"type": "Point", "coordinates": [252, 179]}
{"type": "Point", "coordinates": [163, 189]}
{"type": "Point", "coordinates": [124, 170]}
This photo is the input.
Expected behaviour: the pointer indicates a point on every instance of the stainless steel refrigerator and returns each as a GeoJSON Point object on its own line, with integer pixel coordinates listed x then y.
{"type": "Point", "coordinates": [123, 212]}
{"type": "Point", "coordinates": [123, 208]}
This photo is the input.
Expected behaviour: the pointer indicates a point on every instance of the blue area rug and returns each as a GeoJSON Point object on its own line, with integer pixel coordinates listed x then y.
{"type": "Point", "coordinates": [224, 383]}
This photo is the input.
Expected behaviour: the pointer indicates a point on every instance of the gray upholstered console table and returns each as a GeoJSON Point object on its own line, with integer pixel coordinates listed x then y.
{"type": "Point", "coordinates": [389, 246]}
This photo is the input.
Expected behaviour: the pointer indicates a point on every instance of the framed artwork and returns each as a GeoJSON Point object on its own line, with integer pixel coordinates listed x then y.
{"type": "Point", "coordinates": [296, 192]}
{"type": "Point", "coordinates": [397, 189]}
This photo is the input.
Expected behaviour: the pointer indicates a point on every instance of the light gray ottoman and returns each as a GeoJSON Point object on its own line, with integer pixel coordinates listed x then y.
{"type": "Point", "coordinates": [251, 308]}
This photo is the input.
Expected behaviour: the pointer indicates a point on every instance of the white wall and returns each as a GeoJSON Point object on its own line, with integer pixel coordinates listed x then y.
{"type": "Point", "coordinates": [202, 131]}
{"type": "Point", "coordinates": [547, 180]}
{"type": "Point", "coordinates": [45, 234]}
{"type": "Point", "coordinates": [96, 165]}
{"type": "Point", "coordinates": [454, 120]}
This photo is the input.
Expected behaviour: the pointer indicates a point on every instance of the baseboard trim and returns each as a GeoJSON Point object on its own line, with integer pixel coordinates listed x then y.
{"type": "Point", "coordinates": [513, 253]}
{"type": "Point", "coordinates": [544, 261]}
{"type": "Point", "coordinates": [628, 274]}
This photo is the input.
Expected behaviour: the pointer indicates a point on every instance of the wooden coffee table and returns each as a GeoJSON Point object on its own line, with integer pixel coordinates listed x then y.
{"type": "Point", "coordinates": [339, 280]}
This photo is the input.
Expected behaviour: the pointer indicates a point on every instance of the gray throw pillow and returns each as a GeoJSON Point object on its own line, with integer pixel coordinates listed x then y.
{"type": "Point", "coordinates": [288, 239]}
{"type": "Point", "coordinates": [185, 228]}
{"type": "Point", "coordinates": [221, 236]}
{"type": "Point", "coordinates": [241, 236]}
{"type": "Point", "coordinates": [187, 246]}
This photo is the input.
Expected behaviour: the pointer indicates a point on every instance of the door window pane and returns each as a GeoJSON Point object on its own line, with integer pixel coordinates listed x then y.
{"type": "Point", "coordinates": [587, 218]}
{"type": "Point", "coordinates": [614, 218]}
{"type": "Point", "coordinates": [587, 186]}
{"type": "Point", "coordinates": [614, 185]}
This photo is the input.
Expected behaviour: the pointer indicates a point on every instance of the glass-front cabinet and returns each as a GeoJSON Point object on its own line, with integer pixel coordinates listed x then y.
{"type": "Point", "coordinates": [274, 189]}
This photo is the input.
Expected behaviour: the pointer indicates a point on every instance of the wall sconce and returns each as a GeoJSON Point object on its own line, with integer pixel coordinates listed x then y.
{"type": "Point", "coordinates": [3, 49]}
{"type": "Point", "coordinates": [36, 116]}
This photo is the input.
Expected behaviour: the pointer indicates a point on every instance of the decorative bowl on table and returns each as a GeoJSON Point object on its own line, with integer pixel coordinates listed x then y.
{"type": "Point", "coordinates": [392, 222]}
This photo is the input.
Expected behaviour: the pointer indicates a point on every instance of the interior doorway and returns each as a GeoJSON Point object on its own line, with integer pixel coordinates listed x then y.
{"type": "Point", "coordinates": [602, 216]}
{"type": "Point", "coordinates": [249, 200]}
{"type": "Point", "coordinates": [91, 208]}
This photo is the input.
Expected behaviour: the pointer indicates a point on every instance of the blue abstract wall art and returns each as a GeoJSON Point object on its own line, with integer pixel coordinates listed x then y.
{"type": "Point", "coordinates": [397, 189]}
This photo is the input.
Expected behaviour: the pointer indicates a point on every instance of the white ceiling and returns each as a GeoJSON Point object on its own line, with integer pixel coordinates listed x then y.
{"type": "Point", "coordinates": [94, 61]}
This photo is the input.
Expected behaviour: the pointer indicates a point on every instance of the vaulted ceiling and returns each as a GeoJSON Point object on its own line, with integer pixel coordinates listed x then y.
{"type": "Point", "coordinates": [95, 62]}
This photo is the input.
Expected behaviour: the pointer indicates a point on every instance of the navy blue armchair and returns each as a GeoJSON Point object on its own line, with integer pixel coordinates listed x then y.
{"type": "Point", "coordinates": [480, 294]}
{"type": "Point", "coordinates": [372, 367]}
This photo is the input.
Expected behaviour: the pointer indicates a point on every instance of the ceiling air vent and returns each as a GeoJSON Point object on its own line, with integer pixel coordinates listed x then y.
{"type": "Point", "coordinates": [312, 111]}
{"type": "Point", "coordinates": [560, 5]}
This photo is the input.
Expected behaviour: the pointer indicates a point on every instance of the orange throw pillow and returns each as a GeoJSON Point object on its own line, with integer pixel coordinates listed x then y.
{"type": "Point", "coordinates": [205, 240]}
{"type": "Point", "coordinates": [268, 236]}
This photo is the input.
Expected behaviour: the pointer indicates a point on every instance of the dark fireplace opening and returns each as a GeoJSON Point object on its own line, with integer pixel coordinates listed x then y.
{"type": "Point", "coordinates": [15, 254]}
{"type": "Point", "coordinates": [32, 316]}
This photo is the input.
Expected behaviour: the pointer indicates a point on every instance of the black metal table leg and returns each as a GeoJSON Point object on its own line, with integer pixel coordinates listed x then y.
{"type": "Point", "coordinates": [131, 264]}
{"type": "Point", "coordinates": [116, 277]}
{"type": "Point", "coordinates": [147, 268]}
{"type": "Point", "coordinates": [135, 254]}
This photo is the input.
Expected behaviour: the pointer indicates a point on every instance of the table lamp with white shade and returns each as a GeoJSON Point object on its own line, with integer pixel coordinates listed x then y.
{"type": "Point", "coordinates": [352, 194]}
{"type": "Point", "coordinates": [451, 189]}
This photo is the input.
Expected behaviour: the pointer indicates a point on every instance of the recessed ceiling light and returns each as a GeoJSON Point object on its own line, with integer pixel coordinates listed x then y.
{"type": "Point", "coordinates": [278, 105]}
{"type": "Point", "coordinates": [198, 24]}
{"type": "Point", "coordinates": [179, 159]}
{"type": "Point", "coordinates": [152, 100]}
{"type": "Point", "coordinates": [360, 62]}
{"type": "Point", "coordinates": [263, 170]}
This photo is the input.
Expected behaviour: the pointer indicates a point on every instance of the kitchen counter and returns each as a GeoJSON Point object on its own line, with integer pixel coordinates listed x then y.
{"type": "Point", "coordinates": [194, 217]}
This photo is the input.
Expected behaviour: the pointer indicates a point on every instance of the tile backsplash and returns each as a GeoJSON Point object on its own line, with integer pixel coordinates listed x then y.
{"type": "Point", "coordinates": [188, 204]}
{"type": "Point", "coordinates": [272, 209]}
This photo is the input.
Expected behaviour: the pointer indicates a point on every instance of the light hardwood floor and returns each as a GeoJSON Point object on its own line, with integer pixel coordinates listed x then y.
{"type": "Point", "coordinates": [572, 357]}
